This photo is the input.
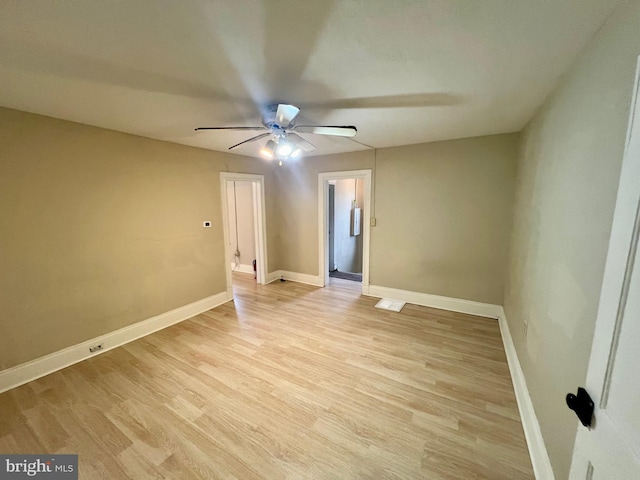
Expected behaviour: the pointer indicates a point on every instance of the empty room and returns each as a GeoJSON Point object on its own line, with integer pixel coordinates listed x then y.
{"type": "Point", "coordinates": [337, 239]}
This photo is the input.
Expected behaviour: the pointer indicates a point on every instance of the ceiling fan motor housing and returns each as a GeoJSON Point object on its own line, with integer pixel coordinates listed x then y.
{"type": "Point", "coordinates": [269, 115]}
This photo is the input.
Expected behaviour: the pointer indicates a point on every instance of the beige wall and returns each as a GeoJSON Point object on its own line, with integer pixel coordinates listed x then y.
{"type": "Point", "coordinates": [99, 230]}
{"type": "Point", "coordinates": [443, 215]}
{"type": "Point", "coordinates": [569, 165]}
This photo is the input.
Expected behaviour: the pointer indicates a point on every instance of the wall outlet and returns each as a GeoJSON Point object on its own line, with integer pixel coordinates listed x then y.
{"type": "Point", "coordinates": [525, 327]}
{"type": "Point", "coordinates": [96, 348]}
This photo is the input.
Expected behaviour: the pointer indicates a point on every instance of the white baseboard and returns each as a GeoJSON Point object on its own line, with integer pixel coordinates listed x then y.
{"type": "Point", "coordinates": [435, 301]}
{"type": "Point", "coordinates": [272, 276]}
{"type": "Point", "coordinates": [537, 449]}
{"type": "Point", "coordinates": [241, 268]}
{"type": "Point", "coordinates": [26, 372]}
{"type": "Point", "coordinates": [314, 280]}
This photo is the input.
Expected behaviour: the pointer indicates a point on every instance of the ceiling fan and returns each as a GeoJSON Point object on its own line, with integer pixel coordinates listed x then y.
{"type": "Point", "coordinates": [285, 142]}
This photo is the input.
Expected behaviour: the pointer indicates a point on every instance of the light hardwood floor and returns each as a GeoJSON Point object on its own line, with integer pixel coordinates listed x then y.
{"type": "Point", "coordinates": [288, 382]}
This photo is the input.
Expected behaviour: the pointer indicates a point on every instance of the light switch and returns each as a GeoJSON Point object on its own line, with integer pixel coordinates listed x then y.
{"type": "Point", "coordinates": [206, 224]}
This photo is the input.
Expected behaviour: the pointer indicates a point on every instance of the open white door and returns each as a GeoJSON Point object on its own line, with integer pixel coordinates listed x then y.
{"type": "Point", "coordinates": [610, 449]}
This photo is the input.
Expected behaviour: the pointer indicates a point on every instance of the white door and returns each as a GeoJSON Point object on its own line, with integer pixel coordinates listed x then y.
{"type": "Point", "coordinates": [611, 448]}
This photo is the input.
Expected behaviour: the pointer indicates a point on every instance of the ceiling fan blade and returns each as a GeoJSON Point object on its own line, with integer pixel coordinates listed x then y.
{"type": "Point", "coordinates": [286, 114]}
{"type": "Point", "coordinates": [252, 139]}
{"type": "Point", "coordinates": [301, 142]}
{"type": "Point", "coordinates": [339, 131]}
{"type": "Point", "coordinates": [409, 100]}
{"type": "Point", "coordinates": [231, 128]}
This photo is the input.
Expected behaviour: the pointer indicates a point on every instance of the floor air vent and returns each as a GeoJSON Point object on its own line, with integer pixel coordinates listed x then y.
{"type": "Point", "coordinates": [389, 304]}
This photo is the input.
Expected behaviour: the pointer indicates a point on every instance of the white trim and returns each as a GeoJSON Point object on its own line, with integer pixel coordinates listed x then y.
{"type": "Point", "coordinates": [259, 212]}
{"type": "Point", "coordinates": [260, 219]}
{"type": "Point", "coordinates": [26, 372]}
{"type": "Point", "coordinates": [323, 228]}
{"type": "Point", "coordinates": [435, 301]}
{"type": "Point", "coordinates": [537, 449]}
{"type": "Point", "coordinates": [314, 280]}
{"type": "Point", "coordinates": [273, 276]}
{"type": "Point", "coordinates": [242, 268]}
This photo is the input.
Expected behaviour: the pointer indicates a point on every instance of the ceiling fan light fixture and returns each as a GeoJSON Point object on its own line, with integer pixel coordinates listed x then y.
{"type": "Point", "coordinates": [296, 153]}
{"type": "Point", "coordinates": [266, 153]}
{"type": "Point", "coordinates": [284, 149]}
{"type": "Point", "coordinates": [269, 150]}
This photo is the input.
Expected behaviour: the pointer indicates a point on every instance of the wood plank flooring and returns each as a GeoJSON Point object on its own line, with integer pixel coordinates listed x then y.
{"type": "Point", "coordinates": [288, 382]}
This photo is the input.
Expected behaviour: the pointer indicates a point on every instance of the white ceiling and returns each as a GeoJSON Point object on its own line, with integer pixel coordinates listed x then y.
{"type": "Point", "coordinates": [402, 71]}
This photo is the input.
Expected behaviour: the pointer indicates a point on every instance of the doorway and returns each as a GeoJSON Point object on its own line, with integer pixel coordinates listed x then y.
{"type": "Point", "coordinates": [344, 200]}
{"type": "Point", "coordinates": [242, 242]}
{"type": "Point", "coordinates": [244, 226]}
{"type": "Point", "coordinates": [332, 219]}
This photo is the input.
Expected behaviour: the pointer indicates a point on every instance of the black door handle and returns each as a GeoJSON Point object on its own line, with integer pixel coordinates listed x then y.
{"type": "Point", "coordinates": [582, 405]}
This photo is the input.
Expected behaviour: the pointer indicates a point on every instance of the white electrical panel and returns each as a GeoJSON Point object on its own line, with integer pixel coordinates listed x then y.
{"type": "Point", "coordinates": [356, 213]}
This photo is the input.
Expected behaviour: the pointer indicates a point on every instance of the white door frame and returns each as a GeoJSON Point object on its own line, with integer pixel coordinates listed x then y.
{"type": "Point", "coordinates": [617, 276]}
{"type": "Point", "coordinates": [323, 222]}
{"type": "Point", "coordinates": [259, 220]}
